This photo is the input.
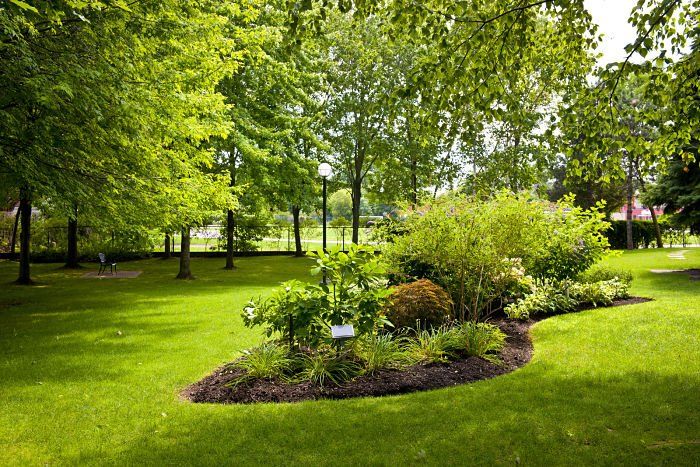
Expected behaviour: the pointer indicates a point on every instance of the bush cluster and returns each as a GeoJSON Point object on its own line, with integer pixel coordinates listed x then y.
{"type": "Point", "coordinates": [488, 252]}
{"type": "Point", "coordinates": [451, 263]}
{"type": "Point", "coordinates": [50, 242]}
{"type": "Point", "coordinates": [643, 234]}
{"type": "Point", "coordinates": [604, 273]}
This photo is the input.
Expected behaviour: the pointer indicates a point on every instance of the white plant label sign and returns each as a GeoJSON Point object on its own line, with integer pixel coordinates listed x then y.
{"type": "Point", "coordinates": [342, 331]}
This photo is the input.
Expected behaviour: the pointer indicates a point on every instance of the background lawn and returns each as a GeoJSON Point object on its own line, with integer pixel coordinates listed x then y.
{"type": "Point", "coordinates": [90, 370]}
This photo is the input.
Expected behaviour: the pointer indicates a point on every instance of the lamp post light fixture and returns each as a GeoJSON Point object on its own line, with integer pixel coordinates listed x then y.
{"type": "Point", "coordinates": [324, 171]}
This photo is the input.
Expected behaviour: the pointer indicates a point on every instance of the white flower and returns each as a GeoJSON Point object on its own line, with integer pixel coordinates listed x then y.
{"type": "Point", "coordinates": [250, 312]}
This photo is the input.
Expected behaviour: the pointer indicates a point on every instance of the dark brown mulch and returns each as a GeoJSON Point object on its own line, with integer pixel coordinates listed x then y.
{"type": "Point", "coordinates": [518, 351]}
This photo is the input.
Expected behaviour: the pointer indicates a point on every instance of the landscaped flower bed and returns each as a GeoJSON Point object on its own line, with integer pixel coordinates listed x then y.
{"type": "Point", "coordinates": [421, 316]}
{"type": "Point", "coordinates": [229, 384]}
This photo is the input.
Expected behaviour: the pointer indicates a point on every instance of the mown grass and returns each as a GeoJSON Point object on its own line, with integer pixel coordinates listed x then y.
{"type": "Point", "coordinates": [90, 372]}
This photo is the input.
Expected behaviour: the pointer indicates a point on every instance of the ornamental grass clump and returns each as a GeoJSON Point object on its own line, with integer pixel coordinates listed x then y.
{"type": "Point", "coordinates": [383, 351]}
{"type": "Point", "coordinates": [268, 360]}
{"type": "Point", "coordinates": [328, 365]}
{"type": "Point", "coordinates": [482, 340]}
{"type": "Point", "coordinates": [435, 345]}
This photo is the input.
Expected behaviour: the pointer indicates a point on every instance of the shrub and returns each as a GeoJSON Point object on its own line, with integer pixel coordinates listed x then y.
{"type": "Point", "coordinates": [574, 241]}
{"type": "Point", "coordinates": [339, 222]}
{"type": "Point", "coordinates": [547, 298]}
{"type": "Point", "coordinates": [302, 313]}
{"type": "Point", "coordinates": [598, 293]}
{"type": "Point", "coordinates": [566, 296]}
{"type": "Point", "coordinates": [471, 247]}
{"type": "Point", "coordinates": [643, 234]}
{"type": "Point", "coordinates": [421, 303]}
{"type": "Point", "coordinates": [481, 340]}
{"type": "Point", "coordinates": [268, 360]}
{"type": "Point", "coordinates": [324, 366]}
{"type": "Point", "coordinates": [433, 346]}
{"type": "Point", "coordinates": [605, 273]}
{"type": "Point", "coordinates": [379, 352]}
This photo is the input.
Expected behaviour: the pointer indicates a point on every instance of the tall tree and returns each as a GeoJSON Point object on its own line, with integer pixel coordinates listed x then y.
{"type": "Point", "coordinates": [100, 99]}
{"type": "Point", "coordinates": [272, 110]}
{"type": "Point", "coordinates": [362, 76]}
{"type": "Point", "coordinates": [678, 190]}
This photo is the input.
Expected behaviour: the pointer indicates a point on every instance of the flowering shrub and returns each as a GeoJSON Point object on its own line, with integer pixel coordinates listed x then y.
{"type": "Point", "coordinates": [574, 241]}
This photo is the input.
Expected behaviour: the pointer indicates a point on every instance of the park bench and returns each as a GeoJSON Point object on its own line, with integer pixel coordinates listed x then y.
{"type": "Point", "coordinates": [104, 263]}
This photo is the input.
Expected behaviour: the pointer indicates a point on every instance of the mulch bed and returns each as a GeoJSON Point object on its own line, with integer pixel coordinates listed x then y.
{"type": "Point", "coordinates": [517, 352]}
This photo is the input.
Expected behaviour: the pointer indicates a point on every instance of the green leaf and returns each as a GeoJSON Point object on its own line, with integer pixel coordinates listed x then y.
{"type": "Point", "coordinates": [24, 6]}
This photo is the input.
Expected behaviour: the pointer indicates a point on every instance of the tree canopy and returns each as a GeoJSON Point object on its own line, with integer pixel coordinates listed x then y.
{"type": "Point", "coordinates": [167, 114]}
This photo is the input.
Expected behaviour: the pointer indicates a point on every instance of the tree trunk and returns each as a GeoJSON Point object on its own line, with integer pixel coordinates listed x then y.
{"type": "Point", "coordinates": [230, 220]}
{"type": "Point", "coordinates": [654, 220]}
{"type": "Point", "coordinates": [167, 253]}
{"type": "Point", "coordinates": [356, 198]}
{"type": "Point", "coordinates": [414, 182]}
{"type": "Point", "coordinates": [630, 195]}
{"type": "Point", "coordinates": [25, 206]}
{"type": "Point", "coordinates": [414, 167]}
{"type": "Point", "coordinates": [185, 272]}
{"type": "Point", "coordinates": [13, 242]}
{"type": "Point", "coordinates": [230, 229]}
{"type": "Point", "coordinates": [657, 229]}
{"type": "Point", "coordinates": [72, 251]}
{"type": "Point", "coordinates": [297, 231]}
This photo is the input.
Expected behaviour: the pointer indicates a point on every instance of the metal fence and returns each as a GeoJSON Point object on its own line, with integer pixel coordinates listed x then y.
{"type": "Point", "coordinates": [210, 238]}
{"type": "Point", "coordinates": [272, 237]}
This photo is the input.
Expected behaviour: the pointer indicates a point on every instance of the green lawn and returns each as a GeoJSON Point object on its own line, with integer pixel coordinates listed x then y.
{"type": "Point", "coordinates": [90, 370]}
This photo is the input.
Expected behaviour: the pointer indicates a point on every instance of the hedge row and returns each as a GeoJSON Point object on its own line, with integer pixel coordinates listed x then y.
{"type": "Point", "coordinates": [642, 234]}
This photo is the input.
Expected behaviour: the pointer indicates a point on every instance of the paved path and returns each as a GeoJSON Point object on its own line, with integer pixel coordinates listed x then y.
{"type": "Point", "coordinates": [678, 254]}
{"type": "Point", "coordinates": [116, 275]}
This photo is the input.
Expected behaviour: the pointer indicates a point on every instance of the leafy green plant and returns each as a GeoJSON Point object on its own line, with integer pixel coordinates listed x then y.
{"type": "Point", "coordinates": [605, 273]}
{"type": "Point", "coordinates": [355, 290]}
{"type": "Point", "coordinates": [482, 340]}
{"type": "Point", "coordinates": [303, 313]}
{"type": "Point", "coordinates": [574, 241]}
{"type": "Point", "coordinates": [599, 293]}
{"type": "Point", "coordinates": [565, 296]}
{"type": "Point", "coordinates": [292, 311]}
{"type": "Point", "coordinates": [434, 345]}
{"type": "Point", "coordinates": [323, 366]}
{"type": "Point", "coordinates": [339, 222]}
{"type": "Point", "coordinates": [422, 303]}
{"type": "Point", "coordinates": [483, 252]}
{"type": "Point", "coordinates": [380, 352]}
{"type": "Point", "coordinates": [268, 360]}
{"type": "Point", "coordinates": [547, 298]}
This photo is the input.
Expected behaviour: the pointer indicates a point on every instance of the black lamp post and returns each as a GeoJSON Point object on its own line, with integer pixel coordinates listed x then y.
{"type": "Point", "coordinates": [325, 171]}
